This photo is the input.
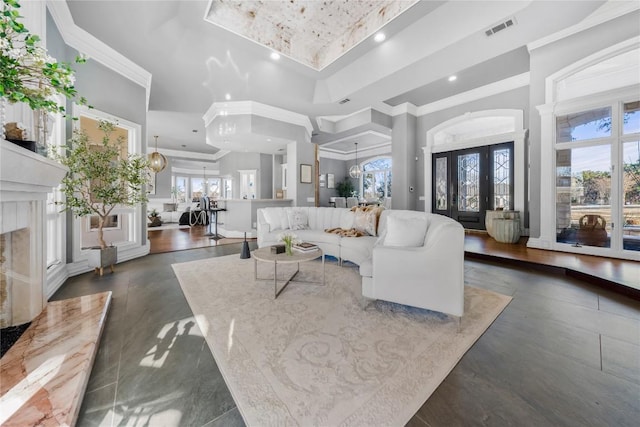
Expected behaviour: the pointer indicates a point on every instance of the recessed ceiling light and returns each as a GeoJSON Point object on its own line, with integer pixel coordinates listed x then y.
{"type": "Point", "coordinates": [184, 145]}
{"type": "Point", "coordinates": [379, 37]}
{"type": "Point", "coordinates": [227, 96]}
{"type": "Point", "coordinates": [275, 56]}
{"type": "Point", "coordinates": [268, 139]}
{"type": "Point", "coordinates": [194, 130]}
{"type": "Point", "coordinates": [452, 78]}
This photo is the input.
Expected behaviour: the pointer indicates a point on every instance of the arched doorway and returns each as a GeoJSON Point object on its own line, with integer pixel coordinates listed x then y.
{"type": "Point", "coordinates": [474, 163]}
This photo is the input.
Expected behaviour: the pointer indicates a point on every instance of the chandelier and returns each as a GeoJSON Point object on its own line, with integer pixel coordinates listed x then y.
{"type": "Point", "coordinates": [157, 161]}
{"type": "Point", "coordinates": [355, 171]}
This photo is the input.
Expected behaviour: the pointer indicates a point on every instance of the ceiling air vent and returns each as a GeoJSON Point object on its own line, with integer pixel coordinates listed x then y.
{"type": "Point", "coordinates": [501, 26]}
{"type": "Point", "coordinates": [344, 101]}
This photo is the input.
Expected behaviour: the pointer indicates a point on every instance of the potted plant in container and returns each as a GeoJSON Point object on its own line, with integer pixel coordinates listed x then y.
{"type": "Point", "coordinates": [98, 181]}
{"type": "Point", "coordinates": [154, 217]}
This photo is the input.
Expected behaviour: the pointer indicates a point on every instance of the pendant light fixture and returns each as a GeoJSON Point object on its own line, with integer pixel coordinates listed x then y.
{"type": "Point", "coordinates": [157, 161]}
{"type": "Point", "coordinates": [355, 171]}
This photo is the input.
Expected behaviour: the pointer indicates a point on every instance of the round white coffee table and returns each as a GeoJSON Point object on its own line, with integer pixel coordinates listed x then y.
{"type": "Point", "coordinates": [265, 255]}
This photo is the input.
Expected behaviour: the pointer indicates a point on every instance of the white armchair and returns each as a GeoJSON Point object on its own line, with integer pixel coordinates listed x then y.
{"type": "Point", "coordinates": [428, 272]}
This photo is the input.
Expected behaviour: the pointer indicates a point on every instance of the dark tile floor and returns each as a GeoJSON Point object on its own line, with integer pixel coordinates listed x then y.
{"type": "Point", "coordinates": [563, 353]}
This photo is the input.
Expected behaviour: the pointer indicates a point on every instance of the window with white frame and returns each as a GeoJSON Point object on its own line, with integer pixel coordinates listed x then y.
{"type": "Point", "coordinates": [376, 179]}
{"type": "Point", "coordinates": [598, 176]}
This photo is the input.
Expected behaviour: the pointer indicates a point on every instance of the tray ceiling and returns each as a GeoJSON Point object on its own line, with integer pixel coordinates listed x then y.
{"type": "Point", "coordinates": [314, 33]}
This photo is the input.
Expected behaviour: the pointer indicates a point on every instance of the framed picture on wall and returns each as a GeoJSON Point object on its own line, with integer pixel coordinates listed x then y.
{"type": "Point", "coordinates": [151, 183]}
{"type": "Point", "coordinates": [305, 174]}
{"type": "Point", "coordinates": [331, 180]}
{"type": "Point", "coordinates": [323, 180]}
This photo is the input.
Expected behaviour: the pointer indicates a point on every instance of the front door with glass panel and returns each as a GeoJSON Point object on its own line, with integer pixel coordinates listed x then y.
{"type": "Point", "coordinates": [468, 182]}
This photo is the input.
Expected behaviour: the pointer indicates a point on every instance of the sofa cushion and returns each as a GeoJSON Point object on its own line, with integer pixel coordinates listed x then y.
{"type": "Point", "coordinates": [298, 219]}
{"type": "Point", "coordinates": [318, 236]}
{"type": "Point", "coordinates": [276, 218]}
{"type": "Point", "coordinates": [405, 232]}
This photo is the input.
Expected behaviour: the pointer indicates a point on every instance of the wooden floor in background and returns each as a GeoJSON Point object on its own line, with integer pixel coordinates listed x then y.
{"type": "Point", "coordinates": [162, 241]}
{"type": "Point", "coordinates": [606, 271]}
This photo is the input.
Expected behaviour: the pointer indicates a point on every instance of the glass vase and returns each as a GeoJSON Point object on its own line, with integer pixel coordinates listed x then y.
{"type": "Point", "coordinates": [288, 247]}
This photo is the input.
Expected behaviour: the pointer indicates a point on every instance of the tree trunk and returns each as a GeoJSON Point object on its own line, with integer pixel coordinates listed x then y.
{"type": "Point", "coordinates": [103, 244]}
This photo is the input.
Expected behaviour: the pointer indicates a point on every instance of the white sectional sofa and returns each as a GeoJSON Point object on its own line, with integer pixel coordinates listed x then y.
{"type": "Point", "coordinates": [415, 259]}
{"type": "Point", "coordinates": [272, 222]}
{"type": "Point", "coordinates": [164, 208]}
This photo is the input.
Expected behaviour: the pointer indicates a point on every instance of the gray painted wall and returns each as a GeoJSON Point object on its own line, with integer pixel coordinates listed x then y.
{"type": "Point", "coordinates": [305, 154]}
{"type": "Point", "coordinates": [266, 176]}
{"type": "Point", "coordinates": [339, 170]}
{"type": "Point", "coordinates": [548, 60]}
{"type": "Point", "coordinates": [106, 91]}
{"type": "Point", "coordinates": [403, 148]}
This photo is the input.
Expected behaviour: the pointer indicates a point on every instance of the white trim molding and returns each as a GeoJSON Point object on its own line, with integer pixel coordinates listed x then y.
{"type": "Point", "coordinates": [94, 48]}
{"type": "Point", "coordinates": [519, 137]}
{"type": "Point", "coordinates": [126, 249]}
{"type": "Point", "coordinates": [190, 154]}
{"type": "Point", "coordinates": [481, 92]}
{"type": "Point", "coordinates": [256, 108]}
{"type": "Point", "coordinates": [378, 150]}
{"type": "Point", "coordinates": [608, 11]}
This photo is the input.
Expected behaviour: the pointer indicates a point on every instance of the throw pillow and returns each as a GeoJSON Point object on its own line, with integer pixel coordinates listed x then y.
{"type": "Point", "coordinates": [405, 232]}
{"type": "Point", "coordinates": [298, 219]}
{"type": "Point", "coordinates": [366, 219]}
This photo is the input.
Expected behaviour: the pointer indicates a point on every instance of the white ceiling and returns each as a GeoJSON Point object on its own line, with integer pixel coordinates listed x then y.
{"type": "Point", "coordinates": [195, 64]}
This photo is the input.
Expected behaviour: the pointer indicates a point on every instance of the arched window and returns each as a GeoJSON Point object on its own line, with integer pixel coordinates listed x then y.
{"type": "Point", "coordinates": [376, 179]}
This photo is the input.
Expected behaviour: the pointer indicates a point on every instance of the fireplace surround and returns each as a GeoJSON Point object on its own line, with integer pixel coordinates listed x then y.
{"type": "Point", "coordinates": [25, 180]}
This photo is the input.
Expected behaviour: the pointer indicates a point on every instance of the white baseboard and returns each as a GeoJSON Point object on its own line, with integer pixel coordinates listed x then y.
{"type": "Point", "coordinates": [56, 276]}
{"type": "Point", "coordinates": [537, 243]}
{"type": "Point", "coordinates": [82, 266]}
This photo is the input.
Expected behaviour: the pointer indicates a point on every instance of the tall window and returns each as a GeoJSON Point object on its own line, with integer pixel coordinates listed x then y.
{"type": "Point", "coordinates": [376, 179]}
{"type": "Point", "coordinates": [180, 189]}
{"type": "Point", "coordinates": [598, 176]}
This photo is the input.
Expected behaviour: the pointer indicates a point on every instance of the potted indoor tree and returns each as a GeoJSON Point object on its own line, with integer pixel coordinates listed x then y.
{"type": "Point", "coordinates": [98, 181]}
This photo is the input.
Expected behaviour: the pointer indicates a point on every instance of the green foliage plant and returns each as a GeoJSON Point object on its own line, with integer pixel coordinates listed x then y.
{"type": "Point", "coordinates": [27, 73]}
{"type": "Point", "coordinates": [99, 179]}
{"type": "Point", "coordinates": [345, 188]}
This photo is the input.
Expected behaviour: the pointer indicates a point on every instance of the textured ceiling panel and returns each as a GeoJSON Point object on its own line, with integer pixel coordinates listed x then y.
{"type": "Point", "coordinates": [312, 32]}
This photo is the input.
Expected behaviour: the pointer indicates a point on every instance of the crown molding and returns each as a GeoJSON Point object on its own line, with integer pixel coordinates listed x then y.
{"type": "Point", "coordinates": [87, 44]}
{"type": "Point", "coordinates": [258, 109]}
{"type": "Point", "coordinates": [376, 150]}
{"type": "Point", "coordinates": [481, 92]}
{"type": "Point", "coordinates": [608, 11]}
{"type": "Point", "coordinates": [189, 154]}
{"type": "Point", "coordinates": [406, 108]}
{"type": "Point", "coordinates": [198, 172]}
